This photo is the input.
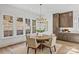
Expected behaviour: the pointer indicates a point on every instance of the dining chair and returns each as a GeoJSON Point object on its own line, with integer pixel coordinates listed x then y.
{"type": "Point", "coordinates": [32, 43]}
{"type": "Point", "coordinates": [51, 43]}
{"type": "Point", "coordinates": [27, 37]}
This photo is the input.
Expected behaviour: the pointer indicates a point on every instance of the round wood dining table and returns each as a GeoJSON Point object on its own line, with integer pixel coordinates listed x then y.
{"type": "Point", "coordinates": [41, 39]}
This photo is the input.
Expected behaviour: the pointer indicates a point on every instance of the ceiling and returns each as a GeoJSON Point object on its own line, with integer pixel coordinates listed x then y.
{"type": "Point", "coordinates": [47, 8]}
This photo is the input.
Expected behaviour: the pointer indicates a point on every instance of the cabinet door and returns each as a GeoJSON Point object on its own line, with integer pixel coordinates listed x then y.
{"type": "Point", "coordinates": [75, 38]}
{"type": "Point", "coordinates": [70, 19]}
{"type": "Point", "coordinates": [69, 37]}
{"type": "Point", "coordinates": [55, 23]}
{"type": "Point", "coordinates": [64, 37]}
{"type": "Point", "coordinates": [60, 36]}
{"type": "Point", "coordinates": [66, 19]}
{"type": "Point", "coordinates": [63, 20]}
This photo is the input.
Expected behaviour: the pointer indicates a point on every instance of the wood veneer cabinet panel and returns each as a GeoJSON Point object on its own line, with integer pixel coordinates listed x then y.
{"type": "Point", "coordinates": [73, 37]}
{"type": "Point", "coordinates": [55, 23]}
{"type": "Point", "coordinates": [60, 36]}
{"type": "Point", "coordinates": [66, 19]}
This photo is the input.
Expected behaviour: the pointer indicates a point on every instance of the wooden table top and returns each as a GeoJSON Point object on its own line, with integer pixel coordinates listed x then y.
{"type": "Point", "coordinates": [44, 37]}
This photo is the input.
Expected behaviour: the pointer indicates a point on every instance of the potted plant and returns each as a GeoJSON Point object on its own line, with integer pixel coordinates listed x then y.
{"type": "Point", "coordinates": [39, 31]}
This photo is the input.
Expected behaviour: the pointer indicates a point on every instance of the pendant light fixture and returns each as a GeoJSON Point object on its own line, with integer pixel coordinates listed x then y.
{"type": "Point", "coordinates": [41, 20]}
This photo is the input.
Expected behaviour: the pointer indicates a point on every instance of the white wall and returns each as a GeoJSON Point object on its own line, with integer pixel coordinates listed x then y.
{"type": "Point", "coordinates": [50, 23]}
{"type": "Point", "coordinates": [15, 12]}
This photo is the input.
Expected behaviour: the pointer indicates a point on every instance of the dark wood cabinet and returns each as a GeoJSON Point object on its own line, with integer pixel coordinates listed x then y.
{"type": "Point", "coordinates": [73, 37]}
{"type": "Point", "coordinates": [55, 23]}
{"type": "Point", "coordinates": [66, 19]}
{"type": "Point", "coordinates": [62, 20]}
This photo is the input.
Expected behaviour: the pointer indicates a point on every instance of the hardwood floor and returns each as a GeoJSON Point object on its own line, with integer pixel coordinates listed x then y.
{"type": "Point", "coordinates": [68, 47]}
{"type": "Point", "coordinates": [63, 47]}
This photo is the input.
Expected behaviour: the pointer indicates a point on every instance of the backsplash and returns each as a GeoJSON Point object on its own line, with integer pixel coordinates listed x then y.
{"type": "Point", "coordinates": [72, 30]}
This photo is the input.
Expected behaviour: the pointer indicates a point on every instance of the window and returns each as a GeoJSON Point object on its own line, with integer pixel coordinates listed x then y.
{"type": "Point", "coordinates": [8, 25]}
{"type": "Point", "coordinates": [19, 26]}
{"type": "Point", "coordinates": [33, 26]}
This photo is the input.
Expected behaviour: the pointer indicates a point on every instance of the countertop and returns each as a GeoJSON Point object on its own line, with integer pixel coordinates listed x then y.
{"type": "Point", "coordinates": [70, 32]}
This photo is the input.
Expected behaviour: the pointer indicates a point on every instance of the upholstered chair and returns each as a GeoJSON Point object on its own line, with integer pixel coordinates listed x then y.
{"type": "Point", "coordinates": [51, 43]}
{"type": "Point", "coordinates": [32, 43]}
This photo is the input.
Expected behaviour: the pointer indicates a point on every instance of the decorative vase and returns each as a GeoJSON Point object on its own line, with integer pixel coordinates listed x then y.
{"type": "Point", "coordinates": [40, 34]}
